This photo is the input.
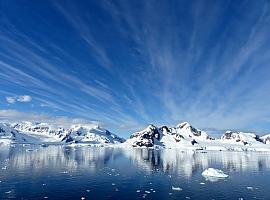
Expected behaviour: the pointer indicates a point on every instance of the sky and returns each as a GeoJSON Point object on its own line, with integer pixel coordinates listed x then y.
{"type": "Point", "coordinates": [124, 64]}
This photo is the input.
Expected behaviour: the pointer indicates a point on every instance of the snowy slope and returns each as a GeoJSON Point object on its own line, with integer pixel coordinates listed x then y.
{"type": "Point", "coordinates": [266, 139]}
{"type": "Point", "coordinates": [9, 135]}
{"type": "Point", "coordinates": [38, 133]}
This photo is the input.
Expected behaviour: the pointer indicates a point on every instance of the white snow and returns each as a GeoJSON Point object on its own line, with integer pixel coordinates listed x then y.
{"type": "Point", "coordinates": [211, 172]}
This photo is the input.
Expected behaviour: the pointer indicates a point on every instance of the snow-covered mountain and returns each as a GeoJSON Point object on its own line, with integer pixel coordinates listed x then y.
{"type": "Point", "coordinates": [166, 136]}
{"type": "Point", "coordinates": [186, 137]}
{"type": "Point", "coordinates": [240, 137]}
{"type": "Point", "coordinates": [38, 133]}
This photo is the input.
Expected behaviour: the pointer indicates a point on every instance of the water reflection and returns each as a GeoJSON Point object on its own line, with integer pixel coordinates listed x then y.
{"type": "Point", "coordinates": [70, 158]}
{"type": "Point", "coordinates": [91, 158]}
{"type": "Point", "coordinates": [187, 163]}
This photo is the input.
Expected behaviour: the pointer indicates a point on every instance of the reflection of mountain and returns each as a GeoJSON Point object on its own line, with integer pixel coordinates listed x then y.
{"type": "Point", "coordinates": [58, 157]}
{"type": "Point", "coordinates": [186, 163]}
{"type": "Point", "coordinates": [171, 161]}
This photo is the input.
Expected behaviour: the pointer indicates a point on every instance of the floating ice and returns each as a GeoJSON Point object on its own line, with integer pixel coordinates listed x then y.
{"type": "Point", "coordinates": [250, 188]}
{"type": "Point", "coordinates": [147, 192]}
{"type": "Point", "coordinates": [138, 191]}
{"type": "Point", "coordinates": [202, 183]}
{"type": "Point", "coordinates": [211, 172]}
{"type": "Point", "coordinates": [176, 188]}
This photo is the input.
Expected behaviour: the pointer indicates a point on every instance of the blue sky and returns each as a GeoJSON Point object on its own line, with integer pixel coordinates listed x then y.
{"type": "Point", "coordinates": [126, 63]}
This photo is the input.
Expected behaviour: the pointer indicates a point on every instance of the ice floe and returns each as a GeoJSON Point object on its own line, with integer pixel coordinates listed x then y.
{"type": "Point", "coordinates": [176, 188]}
{"type": "Point", "coordinates": [250, 188]}
{"type": "Point", "coordinates": [211, 172]}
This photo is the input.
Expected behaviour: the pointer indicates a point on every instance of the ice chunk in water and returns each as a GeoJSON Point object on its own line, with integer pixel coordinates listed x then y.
{"type": "Point", "coordinates": [211, 172]}
{"type": "Point", "coordinates": [176, 188]}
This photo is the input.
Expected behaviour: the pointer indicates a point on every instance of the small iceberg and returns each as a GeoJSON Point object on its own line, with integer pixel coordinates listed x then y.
{"type": "Point", "coordinates": [213, 174]}
{"type": "Point", "coordinates": [176, 188]}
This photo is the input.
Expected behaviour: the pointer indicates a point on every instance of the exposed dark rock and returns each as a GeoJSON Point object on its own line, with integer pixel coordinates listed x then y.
{"type": "Point", "coordinates": [194, 142]}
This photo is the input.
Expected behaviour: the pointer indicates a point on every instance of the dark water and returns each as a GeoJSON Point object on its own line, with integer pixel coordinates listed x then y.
{"type": "Point", "coordinates": [57, 172]}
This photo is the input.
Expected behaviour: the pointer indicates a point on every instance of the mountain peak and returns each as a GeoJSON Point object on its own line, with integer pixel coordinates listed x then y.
{"type": "Point", "coordinates": [183, 124]}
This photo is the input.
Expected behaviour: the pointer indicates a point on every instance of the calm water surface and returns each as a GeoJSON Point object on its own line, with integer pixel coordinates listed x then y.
{"type": "Point", "coordinates": [58, 172]}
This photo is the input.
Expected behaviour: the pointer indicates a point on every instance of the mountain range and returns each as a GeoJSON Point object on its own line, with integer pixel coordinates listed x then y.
{"type": "Point", "coordinates": [43, 133]}
{"type": "Point", "coordinates": [182, 136]}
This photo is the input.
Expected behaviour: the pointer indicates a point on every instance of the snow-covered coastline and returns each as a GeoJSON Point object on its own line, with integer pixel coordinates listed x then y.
{"type": "Point", "coordinates": [183, 137]}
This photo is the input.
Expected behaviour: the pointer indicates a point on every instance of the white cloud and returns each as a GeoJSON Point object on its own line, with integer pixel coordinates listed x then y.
{"type": "Point", "coordinates": [21, 98]}
{"type": "Point", "coordinates": [17, 116]}
{"type": "Point", "coordinates": [11, 100]}
{"type": "Point", "coordinates": [24, 98]}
